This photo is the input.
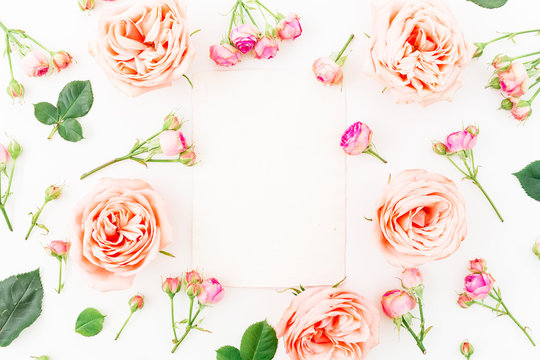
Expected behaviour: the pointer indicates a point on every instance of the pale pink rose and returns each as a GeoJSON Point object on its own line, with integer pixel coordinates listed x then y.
{"type": "Point", "coordinates": [289, 27]}
{"type": "Point", "coordinates": [61, 60]}
{"type": "Point", "coordinates": [35, 64]}
{"type": "Point", "coordinates": [244, 37]}
{"type": "Point", "coordinates": [327, 71]}
{"type": "Point", "coordinates": [4, 155]}
{"type": "Point", "coordinates": [396, 303]}
{"type": "Point", "coordinates": [478, 285]}
{"type": "Point", "coordinates": [464, 301]}
{"type": "Point", "coordinates": [460, 140]}
{"type": "Point", "coordinates": [514, 80]}
{"type": "Point", "coordinates": [421, 218]}
{"type": "Point", "coordinates": [211, 292]}
{"type": "Point", "coordinates": [266, 48]}
{"type": "Point", "coordinates": [58, 248]}
{"type": "Point", "coordinates": [477, 265]}
{"type": "Point", "coordinates": [172, 142]}
{"type": "Point", "coordinates": [144, 47]}
{"type": "Point", "coordinates": [417, 50]}
{"type": "Point", "coordinates": [118, 228]}
{"type": "Point", "coordinates": [224, 55]}
{"type": "Point", "coordinates": [521, 109]}
{"type": "Point", "coordinates": [411, 278]}
{"type": "Point", "coordinates": [329, 323]}
{"type": "Point", "coordinates": [356, 139]}
{"type": "Point", "coordinates": [171, 285]}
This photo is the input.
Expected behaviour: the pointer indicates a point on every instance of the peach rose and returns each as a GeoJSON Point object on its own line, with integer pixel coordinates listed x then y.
{"type": "Point", "coordinates": [329, 323]}
{"type": "Point", "coordinates": [118, 228]}
{"type": "Point", "coordinates": [144, 47]}
{"type": "Point", "coordinates": [417, 50]}
{"type": "Point", "coordinates": [421, 218]}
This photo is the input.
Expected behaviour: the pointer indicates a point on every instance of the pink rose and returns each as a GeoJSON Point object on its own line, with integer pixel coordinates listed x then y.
{"type": "Point", "coordinates": [329, 323]}
{"type": "Point", "coordinates": [396, 303]}
{"type": "Point", "coordinates": [356, 139]}
{"type": "Point", "coordinates": [211, 293]}
{"type": "Point", "coordinates": [417, 50]}
{"type": "Point", "coordinates": [411, 278]}
{"type": "Point", "coordinates": [35, 64]}
{"type": "Point", "coordinates": [4, 155]}
{"type": "Point", "coordinates": [244, 37]}
{"type": "Point", "coordinates": [521, 109]}
{"type": "Point", "coordinates": [188, 158]}
{"type": "Point", "coordinates": [464, 301]}
{"type": "Point", "coordinates": [171, 285]}
{"type": "Point", "coordinates": [289, 27]}
{"type": "Point", "coordinates": [224, 55]}
{"type": "Point", "coordinates": [266, 48]}
{"type": "Point", "coordinates": [327, 71]}
{"type": "Point", "coordinates": [478, 285]}
{"type": "Point", "coordinates": [514, 80]}
{"type": "Point", "coordinates": [460, 140]}
{"type": "Point", "coordinates": [477, 265]}
{"type": "Point", "coordinates": [172, 142]}
{"type": "Point", "coordinates": [118, 228]}
{"type": "Point", "coordinates": [144, 47]}
{"type": "Point", "coordinates": [136, 302]}
{"type": "Point", "coordinates": [193, 277]}
{"type": "Point", "coordinates": [421, 218]}
{"type": "Point", "coordinates": [61, 60]}
{"type": "Point", "coordinates": [58, 248]}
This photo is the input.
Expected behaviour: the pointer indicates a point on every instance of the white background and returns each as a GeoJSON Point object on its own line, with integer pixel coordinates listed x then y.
{"type": "Point", "coordinates": [403, 134]}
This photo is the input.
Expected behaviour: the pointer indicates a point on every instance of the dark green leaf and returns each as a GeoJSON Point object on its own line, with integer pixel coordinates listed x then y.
{"type": "Point", "coordinates": [228, 353]}
{"type": "Point", "coordinates": [20, 304]}
{"type": "Point", "coordinates": [259, 342]}
{"type": "Point", "coordinates": [529, 178]}
{"type": "Point", "coordinates": [89, 322]}
{"type": "Point", "coordinates": [489, 4]}
{"type": "Point", "coordinates": [46, 113]}
{"type": "Point", "coordinates": [75, 100]}
{"type": "Point", "coordinates": [70, 130]}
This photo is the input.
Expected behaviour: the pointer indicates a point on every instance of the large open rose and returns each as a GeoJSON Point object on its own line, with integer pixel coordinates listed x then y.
{"type": "Point", "coordinates": [329, 323]}
{"type": "Point", "coordinates": [421, 218]}
{"type": "Point", "coordinates": [417, 50]}
{"type": "Point", "coordinates": [118, 228]}
{"type": "Point", "coordinates": [145, 46]}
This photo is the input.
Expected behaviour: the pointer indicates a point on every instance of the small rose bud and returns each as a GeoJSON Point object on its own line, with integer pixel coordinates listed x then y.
{"type": "Point", "coordinates": [15, 90]}
{"type": "Point", "coordinates": [464, 301]}
{"type": "Point", "coordinates": [289, 28]}
{"type": "Point", "coordinates": [536, 248]}
{"type": "Point", "coordinates": [212, 292]}
{"type": "Point", "coordinates": [61, 60]}
{"type": "Point", "coordinates": [356, 139]}
{"type": "Point", "coordinates": [188, 158]}
{"type": "Point", "coordinates": [396, 303]}
{"type": "Point", "coordinates": [466, 349]}
{"type": "Point", "coordinates": [171, 122]}
{"type": "Point", "coordinates": [224, 55]}
{"type": "Point", "coordinates": [136, 303]}
{"type": "Point", "coordinates": [53, 192]}
{"type": "Point", "coordinates": [473, 130]}
{"type": "Point", "coordinates": [172, 142]}
{"type": "Point", "coordinates": [58, 248]}
{"type": "Point", "coordinates": [411, 278]}
{"type": "Point", "coordinates": [514, 80]}
{"type": "Point", "coordinates": [327, 71]}
{"type": "Point", "coordinates": [193, 289]}
{"type": "Point", "coordinates": [266, 48]}
{"type": "Point", "coordinates": [507, 104]}
{"type": "Point", "coordinates": [440, 148]}
{"type": "Point", "coordinates": [14, 149]}
{"type": "Point", "coordinates": [478, 285]}
{"type": "Point", "coordinates": [171, 286]}
{"type": "Point", "coordinates": [477, 265]}
{"type": "Point", "coordinates": [35, 64]}
{"type": "Point", "coordinates": [244, 37]}
{"type": "Point", "coordinates": [87, 5]}
{"type": "Point", "coordinates": [4, 155]}
{"type": "Point", "coordinates": [521, 109]}
{"type": "Point", "coordinates": [192, 277]}
{"type": "Point", "coordinates": [494, 83]}
{"type": "Point", "coordinates": [501, 62]}
{"type": "Point", "coordinates": [479, 49]}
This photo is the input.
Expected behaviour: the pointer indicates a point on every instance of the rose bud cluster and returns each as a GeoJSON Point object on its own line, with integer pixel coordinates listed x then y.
{"type": "Point", "coordinates": [328, 70]}
{"type": "Point", "coordinates": [246, 37]}
{"type": "Point", "coordinates": [356, 140]}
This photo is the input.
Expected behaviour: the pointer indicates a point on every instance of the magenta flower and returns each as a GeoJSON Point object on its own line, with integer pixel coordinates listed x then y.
{"type": "Point", "coordinates": [244, 37]}
{"type": "Point", "coordinates": [356, 140]}
{"type": "Point", "coordinates": [212, 292]}
{"type": "Point", "coordinates": [478, 285]}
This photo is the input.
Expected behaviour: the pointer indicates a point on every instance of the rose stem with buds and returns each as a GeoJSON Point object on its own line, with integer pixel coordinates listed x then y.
{"type": "Point", "coordinates": [3, 209]}
{"type": "Point", "coordinates": [25, 35]}
{"type": "Point", "coordinates": [35, 219]}
{"type": "Point", "coordinates": [9, 35]}
{"type": "Point", "coordinates": [418, 341]}
{"type": "Point", "coordinates": [189, 325]}
{"type": "Point", "coordinates": [344, 47]}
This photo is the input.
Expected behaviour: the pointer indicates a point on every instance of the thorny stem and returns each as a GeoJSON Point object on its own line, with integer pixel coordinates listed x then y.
{"type": "Point", "coordinates": [4, 213]}
{"type": "Point", "coordinates": [499, 298]}
{"type": "Point", "coordinates": [35, 219]}
{"type": "Point", "coordinates": [190, 323]}
{"type": "Point", "coordinates": [418, 341]}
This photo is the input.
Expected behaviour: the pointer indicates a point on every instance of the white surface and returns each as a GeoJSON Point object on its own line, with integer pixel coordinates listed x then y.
{"type": "Point", "coordinates": [403, 134]}
{"type": "Point", "coordinates": [270, 188]}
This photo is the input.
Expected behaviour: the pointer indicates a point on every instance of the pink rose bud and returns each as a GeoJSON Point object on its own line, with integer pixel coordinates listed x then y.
{"type": "Point", "coordinates": [136, 303]}
{"type": "Point", "coordinates": [87, 5]}
{"type": "Point", "coordinates": [224, 55]}
{"type": "Point", "coordinates": [536, 248]}
{"type": "Point", "coordinates": [289, 28]}
{"type": "Point", "coordinates": [440, 148]}
{"type": "Point", "coordinates": [464, 301]}
{"type": "Point", "coordinates": [396, 303]}
{"type": "Point", "coordinates": [58, 248]}
{"type": "Point", "coordinates": [171, 122]}
{"type": "Point", "coordinates": [411, 278]}
{"type": "Point", "coordinates": [193, 277]}
{"type": "Point", "coordinates": [327, 71]}
{"type": "Point", "coordinates": [172, 142]}
{"type": "Point", "coordinates": [61, 60]}
{"type": "Point", "coordinates": [460, 140]}
{"type": "Point", "coordinates": [193, 289]}
{"type": "Point", "coordinates": [244, 37]}
{"type": "Point", "coordinates": [171, 286]}
{"type": "Point", "coordinates": [15, 90]}
{"type": "Point", "coordinates": [356, 139]}
{"type": "Point", "coordinates": [212, 292]}
{"type": "Point", "coordinates": [477, 266]}
{"type": "Point", "coordinates": [14, 149]}
{"type": "Point", "coordinates": [478, 286]}
{"type": "Point", "coordinates": [473, 130]}
{"type": "Point", "coordinates": [53, 192]}
{"type": "Point", "coordinates": [4, 155]}
{"type": "Point", "coordinates": [266, 48]}
{"type": "Point", "coordinates": [514, 80]}
{"type": "Point", "coordinates": [521, 109]}
{"type": "Point", "coordinates": [35, 64]}
{"type": "Point", "coordinates": [501, 62]}
{"type": "Point", "coordinates": [466, 349]}
{"type": "Point", "coordinates": [188, 158]}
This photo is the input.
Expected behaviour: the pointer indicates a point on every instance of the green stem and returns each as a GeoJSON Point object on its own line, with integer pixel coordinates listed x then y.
{"type": "Point", "coordinates": [54, 130]}
{"type": "Point", "coordinates": [475, 181]}
{"type": "Point", "coordinates": [248, 13]}
{"type": "Point", "coordinates": [60, 286]}
{"type": "Point", "coordinates": [511, 35]}
{"type": "Point", "coordinates": [8, 191]}
{"type": "Point", "coordinates": [422, 319]}
{"type": "Point", "coordinates": [34, 220]}
{"type": "Point", "coordinates": [114, 161]}
{"type": "Point", "coordinates": [418, 341]}
{"type": "Point", "coordinates": [123, 326]}
{"type": "Point", "coordinates": [9, 34]}
{"type": "Point", "coordinates": [374, 153]}
{"type": "Point", "coordinates": [155, 160]}
{"type": "Point", "coordinates": [513, 318]}
{"type": "Point", "coordinates": [535, 93]}
{"type": "Point", "coordinates": [457, 167]}
{"type": "Point", "coordinates": [233, 17]}
{"type": "Point", "coordinates": [146, 141]}
{"type": "Point", "coordinates": [3, 209]}
{"type": "Point", "coordinates": [25, 35]}
{"type": "Point", "coordinates": [191, 298]}
{"type": "Point", "coordinates": [268, 10]}
{"type": "Point", "coordinates": [526, 55]}
{"type": "Point", "coordinates": [189, 326]}
{"type": "Point", "coordinates": [262, 13]}
{"type": "Point", "coordinates": [172, 318]}
{"type": "Point", "coordinates": [8, 52]}
{"type": "Point", "coordinates": [345, 47]}
{"type": "Point", "coordinates": [489, 307]}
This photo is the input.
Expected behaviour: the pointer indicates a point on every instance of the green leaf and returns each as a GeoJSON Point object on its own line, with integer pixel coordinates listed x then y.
{"type": "Point", "coordinates": [89, 323]}
{"type": "Point", "coordinates": [70, 130]}
{"type": "Point", "coordinates": [489, 4]}
{"type": "Point", "coordinates": [75, 100]}
{"type": "Point", "coordinates": [20, 304]}
{"type": "Point", "coordinates": [529, 178]}
{"type": "Point", "coordinates": [166, 253]}
{"type": "Point", "coordinates": [228, 353]}
{"type": "Point", "coordinates": [259, 342]}
{"type": "Point", "coordinates": [46, 113]}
